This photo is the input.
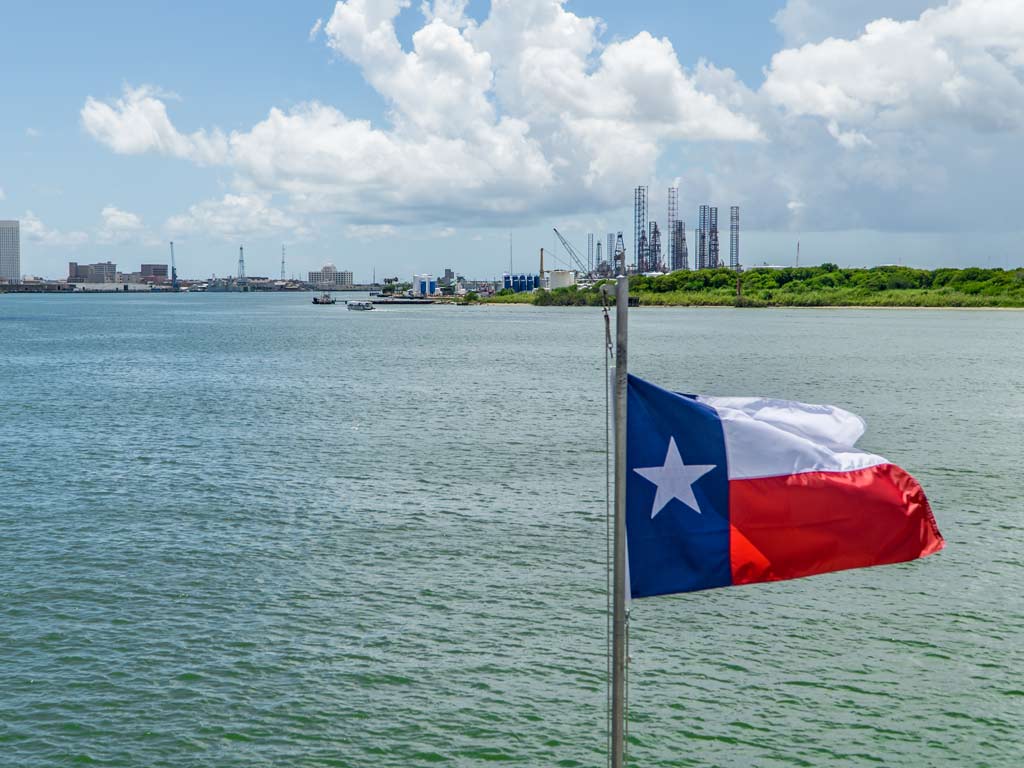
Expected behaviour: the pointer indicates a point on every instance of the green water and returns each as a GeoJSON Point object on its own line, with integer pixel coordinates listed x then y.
{"type": "Point", "coordinates": [241, 530]}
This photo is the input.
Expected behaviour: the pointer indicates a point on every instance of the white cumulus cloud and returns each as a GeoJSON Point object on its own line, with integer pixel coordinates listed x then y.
{"type": "Point", "coordinates": [451, 12]}
{"type": "Point", "coordinates": [119, 227]}
{"type": "Point", "coordinates": [370, 231]}
{"type": "Point", "coordinates": [523, 115]}
{"type": "Point", "coordinates": [35, 231]}
{"type": "Point", "coordinates": [137, 122]}
{"type": "Point", "coordinates": [961, 62]}
{"type": "Point", "coordinates": [811, 21]}
{"type": "Point", "coordinates": [871, 118]}
{"type": "Point", "coordinates": [235, 217]}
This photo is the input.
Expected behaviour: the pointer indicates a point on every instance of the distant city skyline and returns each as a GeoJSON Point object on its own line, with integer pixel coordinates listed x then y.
{"type": "Point", "coordinates": [406, 137]}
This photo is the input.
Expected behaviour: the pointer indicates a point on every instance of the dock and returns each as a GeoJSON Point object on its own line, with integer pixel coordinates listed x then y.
{"type": "Point", "coordinates": [403, 301]}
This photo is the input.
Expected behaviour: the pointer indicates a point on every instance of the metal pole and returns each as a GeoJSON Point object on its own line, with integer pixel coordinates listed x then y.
{"type": "Point", "coordinates": [619, 558]}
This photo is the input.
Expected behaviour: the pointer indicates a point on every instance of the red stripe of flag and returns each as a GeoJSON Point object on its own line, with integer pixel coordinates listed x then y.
{"type": "Point", "coordinates": [798, 525]}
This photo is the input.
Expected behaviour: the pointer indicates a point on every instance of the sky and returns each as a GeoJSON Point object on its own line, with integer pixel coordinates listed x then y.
{"type": "Point", "coordinates": [397, 136]}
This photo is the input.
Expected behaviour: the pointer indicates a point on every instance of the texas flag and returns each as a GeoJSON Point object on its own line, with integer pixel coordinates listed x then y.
{"type": "Point", "coordinates": [736, 490]}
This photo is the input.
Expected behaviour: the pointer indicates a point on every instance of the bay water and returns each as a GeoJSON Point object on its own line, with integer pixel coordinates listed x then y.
{"type": "Point", "coordinates": [243, 530]}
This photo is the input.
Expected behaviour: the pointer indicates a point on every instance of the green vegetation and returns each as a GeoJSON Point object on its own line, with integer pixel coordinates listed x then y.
{"type": "Point", "coordinates": [824, 286]}
{"type": "Point", "coordinates": [507, 296]}
{"type": "Point", "coordinates": [392, 286]}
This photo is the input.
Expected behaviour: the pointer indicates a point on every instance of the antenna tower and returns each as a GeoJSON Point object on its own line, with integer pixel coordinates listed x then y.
{"type": "Point", "coordinates": [282, 263]}
{"type": "Point", "coordinates": [241, 264]}
{"type": "Point", "coordinates": [174, 269]}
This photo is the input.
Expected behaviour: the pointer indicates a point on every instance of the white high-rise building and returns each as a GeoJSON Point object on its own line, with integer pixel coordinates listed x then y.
{"type": "Point", "coordinates": [10, 252]}
{"type": "Point", "coordinates": [329, 276]}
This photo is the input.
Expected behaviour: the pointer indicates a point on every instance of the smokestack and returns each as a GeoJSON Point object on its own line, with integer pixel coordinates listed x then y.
{"type": "Point", "coordinates": [542, 266]}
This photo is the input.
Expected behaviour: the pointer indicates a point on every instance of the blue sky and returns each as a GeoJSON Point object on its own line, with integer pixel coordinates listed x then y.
{"type": "Point", "coordinates": [130, 124]}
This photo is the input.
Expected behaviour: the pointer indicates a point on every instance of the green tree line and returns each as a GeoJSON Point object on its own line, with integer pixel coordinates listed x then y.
{"type": "Point", "coordinates": [822, 286]}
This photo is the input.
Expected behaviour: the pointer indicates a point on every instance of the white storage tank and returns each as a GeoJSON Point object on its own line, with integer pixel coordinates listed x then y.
{"type": "Point", "coordinates": [424, 285]}
{"type": "Point", "coordinates": [561, 278]}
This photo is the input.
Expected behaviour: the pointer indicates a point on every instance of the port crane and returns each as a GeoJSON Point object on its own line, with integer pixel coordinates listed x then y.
{"type": "Point", "coordinates": [572, 252]}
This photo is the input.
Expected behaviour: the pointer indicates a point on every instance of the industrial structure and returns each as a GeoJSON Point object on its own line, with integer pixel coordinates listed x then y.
{"type": "Point", "coordinates": [577, 260]}
{"type": "Point", "coordinates": [561, 278]}
{"type": "Point", "coordinates": [684, 255]}
{"type": "Point", "coordinates": [424, 285]}
{"type": "Point", "coordinates": [620, 255]}
{"type": "Point", "coordinates": [640, 229]}
{"type": "Point", "coordinates": [656, 250]}
{"type": "Point", "coordinates": [10, 252]}
{"type": "Point", "coordinates": [672, 259]}
{"type": "Point", "coordinates": [679, 259]}
{"type": "Point", "coordinates": [520, 283]}
{"type": "Point", "coordinates": [702, 238]}
{"type": "Point", "coordinates": [734, 237]}
{"type": "Point", "coordinates": [714, 260]}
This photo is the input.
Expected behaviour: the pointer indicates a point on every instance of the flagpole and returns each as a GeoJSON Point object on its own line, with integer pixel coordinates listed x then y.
{"type": "Point", "coordinates": [619, 557]}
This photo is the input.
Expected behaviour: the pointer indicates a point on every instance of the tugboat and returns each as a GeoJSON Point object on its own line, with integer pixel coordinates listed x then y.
{"type": "Point", "coordinates": [324, 298]}
{"type": "Point", "coordinates": [360, 305]}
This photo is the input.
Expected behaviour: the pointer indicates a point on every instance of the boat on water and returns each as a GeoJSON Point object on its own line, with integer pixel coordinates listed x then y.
{"type": "Point", "coordinates": [324, 298]}
{"type": "Point", "coordinates": [360, 305]}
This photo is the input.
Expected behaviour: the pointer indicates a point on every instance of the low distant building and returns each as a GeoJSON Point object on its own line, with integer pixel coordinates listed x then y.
{"type": "Point", "coordinates": [156, 271]}
{"type": "Point", "coordinates": [102, 272]}
{"type": "Point", "coordinates": [479, 287]}
{"type": "Point", "coordinates": [330, 277]}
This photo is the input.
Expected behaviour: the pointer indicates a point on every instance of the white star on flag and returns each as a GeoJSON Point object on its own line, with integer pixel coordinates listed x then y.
{"type": "Point", "coordinates": [674, 480]}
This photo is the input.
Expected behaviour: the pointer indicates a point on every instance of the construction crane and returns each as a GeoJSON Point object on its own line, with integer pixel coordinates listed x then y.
{"type": "Point", "coordinates": [174, 269]}
{"type": "Point", "coordinates": [572, 253]}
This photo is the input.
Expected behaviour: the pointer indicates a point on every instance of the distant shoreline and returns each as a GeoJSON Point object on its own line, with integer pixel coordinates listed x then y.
{"type": "Point", "coordinates": [773, 306]}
